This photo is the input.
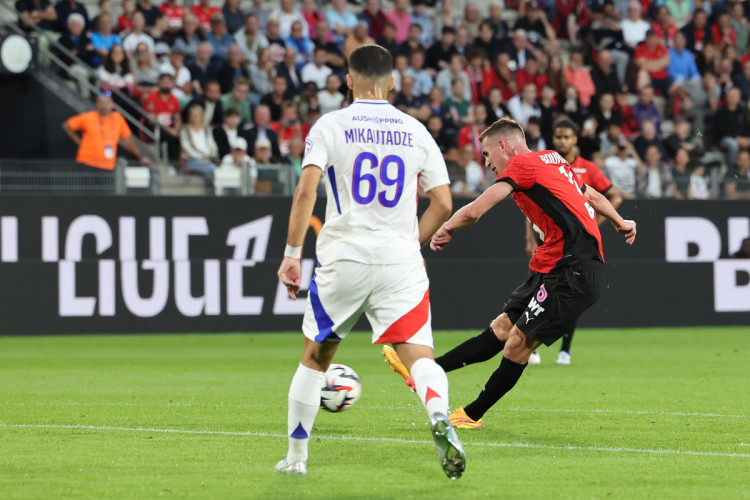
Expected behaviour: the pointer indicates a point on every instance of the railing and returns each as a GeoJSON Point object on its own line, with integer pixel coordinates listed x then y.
{"type": "Point", "coordinates": [10, 17]}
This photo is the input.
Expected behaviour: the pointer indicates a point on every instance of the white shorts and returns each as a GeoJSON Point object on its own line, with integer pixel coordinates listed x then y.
{"type": "Point", "coordinates": [395, 299]}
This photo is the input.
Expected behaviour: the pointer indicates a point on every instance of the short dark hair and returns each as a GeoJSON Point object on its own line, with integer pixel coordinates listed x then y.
{"type": "Point", "coordinates": [448, 30]}
{"type": "Point", "coordinates": [501, 126]}
{"type": "Point", "coordinates": [231, 112]}
{"type": "Point", "coordinates": [534, 120]}
{"type": "Point", "coordinates": [371, 61]}
{"type": "Point", "coordinates": [567, 123]}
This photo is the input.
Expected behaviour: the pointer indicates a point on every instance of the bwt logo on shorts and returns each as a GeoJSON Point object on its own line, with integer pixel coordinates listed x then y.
{"type": "Point", "coordinates": [696, 239]}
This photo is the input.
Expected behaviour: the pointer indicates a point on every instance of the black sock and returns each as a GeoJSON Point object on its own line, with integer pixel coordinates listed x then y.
{"type": "Point", "coordinates": [501, 381]}
{"type": "Point", "coordinates": [567, 339]}
{"type": "Point", "coordinates": [475, 350]}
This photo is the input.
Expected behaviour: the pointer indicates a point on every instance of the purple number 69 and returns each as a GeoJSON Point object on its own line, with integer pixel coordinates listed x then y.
{"type": "Point", "coordinates": [387, 178]}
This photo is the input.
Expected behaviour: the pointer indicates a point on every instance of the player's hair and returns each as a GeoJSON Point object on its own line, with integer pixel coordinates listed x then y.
{"type": "Point", "coordinates": [504, 125]}
{"type": "Point", "coordinates": [567, 123]}
{"type": "Point", "coordinates": [371, 61]}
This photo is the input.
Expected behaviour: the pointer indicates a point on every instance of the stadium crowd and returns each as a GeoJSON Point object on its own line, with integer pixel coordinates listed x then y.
{"type": "Point", "coordinates": [660, 89]}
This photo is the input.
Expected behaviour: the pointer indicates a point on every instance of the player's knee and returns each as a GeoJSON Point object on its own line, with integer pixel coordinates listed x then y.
{"type": "Point", "coordinates": [516, 348]}
{"type": "Point", "coordinates": [501, 327]}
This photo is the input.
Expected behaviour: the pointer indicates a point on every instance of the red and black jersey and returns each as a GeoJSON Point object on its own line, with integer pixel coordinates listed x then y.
{"type": "Point", "coordinates": [588, 173]}
{"type": "Point", "coordinates": [546, 191]}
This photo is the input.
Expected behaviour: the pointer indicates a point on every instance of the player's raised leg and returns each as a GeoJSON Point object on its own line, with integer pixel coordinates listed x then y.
{"type": "Point", "coordinates": [304, 403]}
{"type": "Point", "coordinates": [477, 349]}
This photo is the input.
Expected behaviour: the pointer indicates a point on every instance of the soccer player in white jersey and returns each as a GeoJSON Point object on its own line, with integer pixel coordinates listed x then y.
{"type": "Point", "coordinates": [373, 156]}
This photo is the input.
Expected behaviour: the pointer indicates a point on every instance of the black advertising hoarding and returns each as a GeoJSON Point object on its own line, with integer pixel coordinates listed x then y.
{"type": "Point", "coordinates": [124, 264]}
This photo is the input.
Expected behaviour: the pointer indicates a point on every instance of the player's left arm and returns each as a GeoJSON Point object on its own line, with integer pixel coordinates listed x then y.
{"type": "Point", "coordinates": [614, 195]}
{"type": "Point", "coordinates": [469, 214]}
{"type": "Point", "coordinates": [290, 271]}
{"type": "Point", "coordinates": [602, 206]}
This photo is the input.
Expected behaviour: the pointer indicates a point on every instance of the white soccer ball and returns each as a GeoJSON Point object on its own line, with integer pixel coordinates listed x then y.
{"type": "Point", "coordinates": [341, 388]}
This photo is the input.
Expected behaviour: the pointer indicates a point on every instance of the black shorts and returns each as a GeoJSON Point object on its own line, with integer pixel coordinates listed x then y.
{"type": "Point", "coordinates": [547, 306]}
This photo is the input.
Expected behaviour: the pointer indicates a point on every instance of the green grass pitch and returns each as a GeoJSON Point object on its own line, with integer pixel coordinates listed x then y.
{"type": "Point", "coordinates": [647, 413]}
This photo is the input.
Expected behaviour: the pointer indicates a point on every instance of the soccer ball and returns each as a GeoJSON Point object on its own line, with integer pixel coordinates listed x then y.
{"type": "Point", "coordinates": [341, 388]}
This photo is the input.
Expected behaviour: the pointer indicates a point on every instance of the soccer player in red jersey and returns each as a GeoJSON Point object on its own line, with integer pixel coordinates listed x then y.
{"type": "Point", "coordinates": [564, 138]}
{"type": "Point", "coordinates": [564, 280]}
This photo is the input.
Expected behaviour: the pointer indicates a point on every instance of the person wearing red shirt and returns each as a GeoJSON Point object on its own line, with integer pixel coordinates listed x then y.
{"type": "Point", "coordinates": [174, 14]}
{"type": "Point", "coordinates": [664, 27]}
{"type": "Point", "coordinates": [652, 59]}
{"type": "Point", "coordinates": [530, 74]}
{"type": "Point", "coordinates": [723, 33]}
{"type": "Point", "coordinates": [203, 11]}
{"type": "Point", "coordinates": [500, 76]}
{"type": "Point", "coordinates": [565, 270]}
{"type": "Point", "coordinates": [164, 109]}
{"type": "Point", "coordinates": [571, 16]}
{"type": "Point", "coordinates": [125, 21]}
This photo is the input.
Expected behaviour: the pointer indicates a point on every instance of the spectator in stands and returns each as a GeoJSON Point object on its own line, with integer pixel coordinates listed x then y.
{"type": "Point", "coordinates": [737, 179]}
{"type": "Point", "coordinates": [475, 70]}
{"type": "Point", "coordinates": [400, 65]}
{"type": "Point", "coordinates": [341, 21]}
{"type": "Point", "coordinates": [549, 111]}
{"type": "Point", "coordinates": [105, 7]}
{"type": "Point", "coordinates": [531, 74]}
{"type": "Point", "coordinates": [680, 11]}
{"type": "Point", "coordinates": [698, 188]}
{"type": "Point", "coordinates": [259, 10]}
{"type": "Point", "coordinates": [412, 42]}
{"type": "Point", "coordinates": [316, 71]}
{"type": "Point", "coordinates": [237, 99]}
{"type": "Point", "coordinates": [664, 28]}
{"type": "Point", "coordinates": [301, 44]}
{"type": "Point", "coordinates": [422, 80]}
{"type": "Point", "coordinates": [125, 21]}
{"type": "Point", "coordinates": [681, 174]}
{"type": "Point", "coordinates": [571, 18]}
{"type": "Point", "coordinates": [101, 130]}
{"type": "Point", "coordinates": [219, 38]}
{"type": "Point", "coordinates": [276, 44]}
{"type": "Point", "coordinates": [261, 129]}
{"type": "Point", "coordinates": [233, 15]}
{"type": "Point", "coordinates": [469, 134]}
{"type": "Point", "coordinates": [262, 75]}
{"type": "Point", "coordinates": [232, 69]}
{"type": "Point", "coordinates": [701, 102]}
{"type": "Point", "coordinates": [605, 112]}
{"type": "Point", "coordinates": [653, 177]}
{"type": "Point", "coordinates": [159, 32]}
{"type": "Point", "coordinates": [80, 45]}
{"type": "Point", "coordinates": [330, 98]}
{"type": "Point", "coordinates": [375, 18]}
{"type": "Point", "coordinates": [189, 38]}
{"type": "Point", "coordinates": [697, 32]}
{"type": "Point", "coordinates": [225, 134]}
{"type": "Point", "coordinates": [621, 168]}
{"type": "Point", "coordinates": [534, 139]}
{"type": "Point", "coordinates": [629, 123]}
{"type": "Point", "coordinates": [137, 36]}
{"type": "Point", "coordinates": [645, 109]}
{"type": "Point", "coordinates": [501, 76]}
{"type": "Point", "coordinates": [534, 22]}
{"type": "Point", "coordinates": [114, 73]}
{"type": "Point", "coordinates": [604, 76]}
{"type": "Point", "coordinates": [580, 79]}
{"type": "Point", "coordinates": [461, 109]}
{"type": "Point", "coordinates": [438, 55]}
{"type": "Point", "coordinates": [174, 14]}
{"type": "Point", "coordinates": [437, 106]}
{"type": "Point", "coordinates": [499, 26]}
{"type": "Point", "coordinates": [445, 17]}
{"type": "Point", "coordinates": [731, 126]}
{"type": "Point", "coordinates": [104, 39]}
{"type": "Point", "coordinates": [262, 153]}
{"type": "Point", "coordinates": [610, 138]}
{"type": "Point", "coordinates": [64, 8]}
{"type": "Point", "coordinates": [250, 39]}
{"type": "Point", "coordinates": [289, 70]}
{"type": "Point", "coordinates": [463, 42]}
{"type": "Point", "coordinates": [308, 102]}
{"type": "Point", "coordinates": [275, 98]}
{"type": "Point", "coordinates": [203, 11]}
{"type": "Point", "coordinates": [487, 42]}
{"type": "Point", "coordinates": [203, 69]}
{"type": "Point", "coordinates": [496, 104]}
{"type": "Point", "coordinates": [445, 77]}
{"type": "Point", "coordinates": [681, 138]}
{"type": "Point", "coordinates": [210, 101]}
{"type": "Point", "coordinates": [237, 158]}
{"type": "Point", "coordinates": [607, 38]}
{"type": "Point", "coordinates": [472, 180]}
{"type": "Point", "coordinates": [649, 137]}
{"type": "Point", "coordinates": [287, 13]}
{"type": "Point", "coordinates": [742, 80]}
{"type": "Point", "coordinates": [410, 102]}
{"type": "Point", "coordinates": [722, 32]}
{"type": "Point", "coordinates": [164, 109]}
{"type": "Point", "coordinates": [419, 16]}
{"type": "Point", "coordinates": [39, 13]}
{"type": "Point", "coordinates": [145, 71]}
{"type": "Point", "coordinates": [294, 156]}
{"type": "Point", "coordinates": [744, 251]}
{"type": "Point", "coordinates": [335, 59]}
{"type": "Point", "coordinates": [198, 147]}
{"type": "Point", "coordinates": [289, 126]}
{"type": "Point", "coordinates": [357, 38]}
{"type": "Point", "coordinates": [471, 20]}
{"type": "Point", "coordinates": [523, 106]}
{"type": "Point", "coordinates": [400, 18]}
{"type": "Point", "coordinates": [148, 10]}
{"type": "Point", "coordinates": [588, 141]}
{"type": "Point", "coordinates": [682, 69]}
{"type": "Point", "coordinates": [438, 133]}
{"type": "Point", "coordinates": [634, 28]}
{"type": "Point", "coordinates": [311, 16]}
{"type": "Point", "coordinates": [388, 39]}
{"type": "Point", "coordinates": [176, 67]}
{"type": "Point", "coordinates": [739, 22]}
{"type": "Point", "coordinates": [556, 76]}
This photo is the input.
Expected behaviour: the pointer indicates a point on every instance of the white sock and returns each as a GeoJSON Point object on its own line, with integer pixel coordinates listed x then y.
{"type": "Point", "coordinates": [304, 403]}
{"type": "Point", "coordinates": [432, 385]}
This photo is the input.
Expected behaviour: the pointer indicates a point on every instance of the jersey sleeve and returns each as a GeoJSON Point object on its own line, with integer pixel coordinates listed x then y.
{"type": "Point", "coordinates": [77, 122]}
{"type": "Point", "coordinates": [518, 175]}
{"type": "Point", "coordinates": [597, 180]}
{"type": "Point", "coordinates": [434, 171]}
{"type": "Point", "coordinates": [316, 146]}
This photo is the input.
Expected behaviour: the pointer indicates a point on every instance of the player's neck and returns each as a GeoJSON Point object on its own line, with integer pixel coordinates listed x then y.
{"type": "Point", "coordinates": [570, 158]}
{"type": "Point", "coordinates": [371, 94]}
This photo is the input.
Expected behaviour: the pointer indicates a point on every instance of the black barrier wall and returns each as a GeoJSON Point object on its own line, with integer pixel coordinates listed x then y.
{"type": "Point", "coordinates": [111, 265]}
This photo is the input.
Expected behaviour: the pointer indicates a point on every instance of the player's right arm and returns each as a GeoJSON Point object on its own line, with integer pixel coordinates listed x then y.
{"type": "Point", "coordinates": [441, 204]}
{"type": "Point", "coordinates": [469, 214]}
{"type": "Point", "coordinates": [602, 206]}
{"type": "Point", "coordinates": [290, 271]}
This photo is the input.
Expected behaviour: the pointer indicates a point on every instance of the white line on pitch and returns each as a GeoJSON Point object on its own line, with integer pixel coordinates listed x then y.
{"type": "Point", "coordinates": [383, 407]}
{"type": "Point", "coordinates": [657, 451]}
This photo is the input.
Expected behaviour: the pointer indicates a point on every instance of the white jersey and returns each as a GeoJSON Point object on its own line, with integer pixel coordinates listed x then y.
{"type": "Point", "coordinates": [372, 156]}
